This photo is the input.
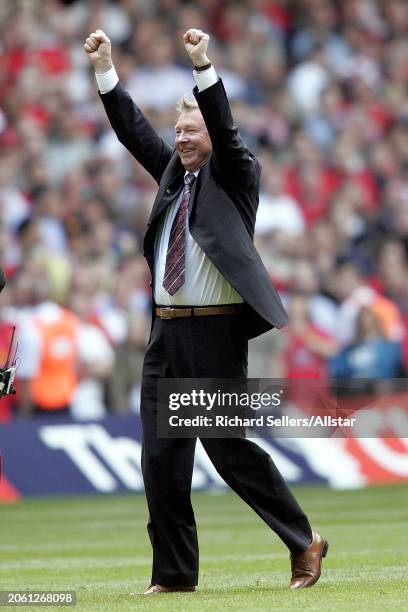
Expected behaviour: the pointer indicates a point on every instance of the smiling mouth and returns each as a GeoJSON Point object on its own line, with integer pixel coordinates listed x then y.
{"type": "Point", "coordinates": [187, 151]}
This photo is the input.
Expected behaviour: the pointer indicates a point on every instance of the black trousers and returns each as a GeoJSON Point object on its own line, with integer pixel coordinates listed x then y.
{"type": "Point", "coordinates": [204, 347]}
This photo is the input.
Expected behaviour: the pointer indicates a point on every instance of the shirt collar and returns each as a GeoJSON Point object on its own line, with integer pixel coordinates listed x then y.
{"type": "Point", "coordinates": [196, 172]}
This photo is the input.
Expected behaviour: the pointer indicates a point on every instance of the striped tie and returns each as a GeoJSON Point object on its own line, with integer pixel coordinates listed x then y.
{"type": "Point", "coordinates": [174, 271]}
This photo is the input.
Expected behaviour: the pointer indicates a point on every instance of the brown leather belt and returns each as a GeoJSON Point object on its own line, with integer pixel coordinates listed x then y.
{"type": "Point", "coordinates": [168, 312]}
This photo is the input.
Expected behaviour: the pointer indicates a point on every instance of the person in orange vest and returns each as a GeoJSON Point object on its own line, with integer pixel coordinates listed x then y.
{"type": "Point", "coordinates": [48, 372]}
{"type": "Point", "coordinates": [65, 362]}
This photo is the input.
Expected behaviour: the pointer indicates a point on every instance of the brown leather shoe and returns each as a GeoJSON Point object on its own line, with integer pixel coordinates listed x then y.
{"type": "Point", "coordinates": [154, 589]}
{"type": "Point", "coordinates": [306, 568]}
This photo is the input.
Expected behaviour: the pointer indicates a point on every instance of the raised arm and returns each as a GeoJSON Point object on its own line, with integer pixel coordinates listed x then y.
{"type": "Point", "coordinates": [231, 156]}
{"type": "Point", "coordinates": [132, 128]}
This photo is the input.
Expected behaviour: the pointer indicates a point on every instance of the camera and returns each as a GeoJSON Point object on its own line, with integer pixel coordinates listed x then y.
{"type": "Point", "coordinates": [6, 381]}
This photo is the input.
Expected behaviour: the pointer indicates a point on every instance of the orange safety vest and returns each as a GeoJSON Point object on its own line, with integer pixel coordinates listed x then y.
{"type": "Point", "coordinates": [53, 386]}
{"type": "Point", "coordinates": [389, 316]}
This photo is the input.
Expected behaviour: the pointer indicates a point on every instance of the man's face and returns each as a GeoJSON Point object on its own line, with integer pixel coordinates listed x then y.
{"type": "Point", "coordinates": [193, 143]}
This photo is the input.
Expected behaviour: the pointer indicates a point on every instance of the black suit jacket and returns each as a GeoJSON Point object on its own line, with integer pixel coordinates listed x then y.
{"type": "Point", "coordinates": [223, 201]}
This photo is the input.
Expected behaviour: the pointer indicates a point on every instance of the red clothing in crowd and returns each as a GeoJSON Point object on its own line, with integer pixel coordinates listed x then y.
{"type": "Point", "coordinates": [300, 360]}
{"type": "Point", "coordinates": [315, 204]}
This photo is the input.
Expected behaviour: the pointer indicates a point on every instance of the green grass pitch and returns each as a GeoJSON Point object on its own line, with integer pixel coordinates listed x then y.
{"type": "Point", "coordinates": [98, 547]}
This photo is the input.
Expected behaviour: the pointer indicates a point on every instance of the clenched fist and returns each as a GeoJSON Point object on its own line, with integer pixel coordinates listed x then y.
{"type": "Point", "coordinates": [196, 43]}
{"type": "Point", "coordinates": [98, 47]}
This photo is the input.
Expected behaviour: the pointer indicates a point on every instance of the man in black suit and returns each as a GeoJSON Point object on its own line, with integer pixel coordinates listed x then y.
{"type": "Point", "coordinates": [211, 293]}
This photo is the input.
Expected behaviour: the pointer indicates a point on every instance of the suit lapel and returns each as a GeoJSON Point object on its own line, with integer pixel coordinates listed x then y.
{"type": "Point", "coordinates": [200, 186]}
{"type": "Point", "coordinates": [169, 185]}
{"type": "Point", "coordinates": [195, 189]}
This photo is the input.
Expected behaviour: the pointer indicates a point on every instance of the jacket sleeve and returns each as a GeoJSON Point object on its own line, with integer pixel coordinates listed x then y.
{"type": "Point", "coordinates": [231, 156]}
{"type": "Point", "coordinates": [135, 132]}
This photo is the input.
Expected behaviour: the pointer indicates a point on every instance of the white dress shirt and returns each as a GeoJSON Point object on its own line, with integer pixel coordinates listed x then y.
{"type": "Point", "coordinates": [204, 285]}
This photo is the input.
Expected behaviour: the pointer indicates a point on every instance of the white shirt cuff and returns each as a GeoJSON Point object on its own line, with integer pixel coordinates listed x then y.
{"type": "Point", "coordinates": [107, 80]}
{"type": "Point", "coordinates": [206, 78]}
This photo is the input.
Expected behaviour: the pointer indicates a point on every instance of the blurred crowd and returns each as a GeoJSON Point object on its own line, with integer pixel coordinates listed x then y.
{"type": "Point", "coordinates": [319, 89]}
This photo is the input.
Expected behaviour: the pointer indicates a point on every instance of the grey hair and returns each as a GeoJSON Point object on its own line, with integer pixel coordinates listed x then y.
{"type": "Point", "coordinates": [185, 104]}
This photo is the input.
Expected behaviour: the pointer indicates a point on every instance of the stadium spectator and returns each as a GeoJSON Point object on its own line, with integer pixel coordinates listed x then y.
{"type": "Point", "coordinates": [48, 346]}
{"type": "Point", "coordinates": [95, 363]}
{"type": "Point", "coordinates": [65, 361]}
{"type": "Point", "coordinates": [370, 355]}
{"type": "Point", "coordinates": [308, 346]}
{"type": "Point", "coordinates": [354, 294]}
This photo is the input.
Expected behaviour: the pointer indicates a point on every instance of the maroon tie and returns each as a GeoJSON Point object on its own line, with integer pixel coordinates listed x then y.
{"type": "Point", "coordinates": [174, 271]}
